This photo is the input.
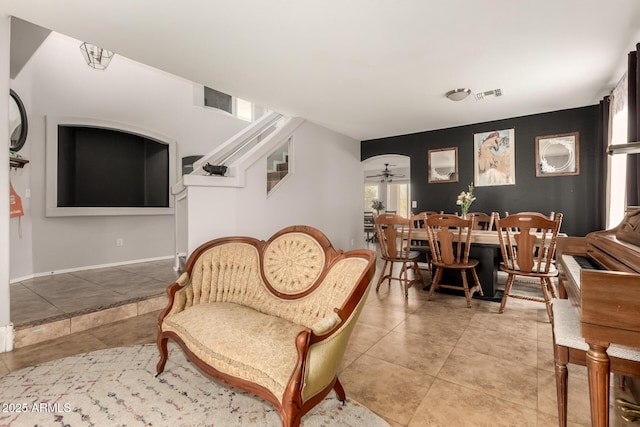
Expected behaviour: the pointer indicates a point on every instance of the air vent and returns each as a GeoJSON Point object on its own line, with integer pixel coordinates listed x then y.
{"type": "Point", "coordinates": [488, 94]}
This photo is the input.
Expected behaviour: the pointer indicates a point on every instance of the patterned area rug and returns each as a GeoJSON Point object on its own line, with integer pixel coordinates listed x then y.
{"type": "Point", "coordinates": [117, 387]}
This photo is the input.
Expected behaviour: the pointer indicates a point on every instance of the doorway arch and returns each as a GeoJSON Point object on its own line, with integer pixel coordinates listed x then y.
{"type": "Point", "coordinates": [393, 187]}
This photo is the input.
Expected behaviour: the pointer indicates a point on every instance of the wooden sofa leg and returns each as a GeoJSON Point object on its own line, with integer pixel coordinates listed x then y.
{"type": "Point", "coordinates": [164, 354]}
{"type": "Point", "coordinates": [291, 417]}
{"type": "Point", "coordinates": [342, 397]}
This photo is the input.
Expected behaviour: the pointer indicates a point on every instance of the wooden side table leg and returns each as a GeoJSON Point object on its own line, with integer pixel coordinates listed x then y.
{"type": "Point", "coordinates": [598, 370]}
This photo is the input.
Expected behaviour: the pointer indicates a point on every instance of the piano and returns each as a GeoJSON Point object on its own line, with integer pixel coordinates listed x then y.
{"type": "Point", "coordinates": [600, 274]}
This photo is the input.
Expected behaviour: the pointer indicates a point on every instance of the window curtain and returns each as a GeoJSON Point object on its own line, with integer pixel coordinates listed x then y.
{"type": "Point", "coordinates": [617, 164]}
{"type": "Point", "coordinates": [633, 127]}
{"type": "Point", "coordinates": [604, 111]}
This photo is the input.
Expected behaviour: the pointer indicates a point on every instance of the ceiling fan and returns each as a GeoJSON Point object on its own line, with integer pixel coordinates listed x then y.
{"type": "Point", "coordinates": [386, 175]}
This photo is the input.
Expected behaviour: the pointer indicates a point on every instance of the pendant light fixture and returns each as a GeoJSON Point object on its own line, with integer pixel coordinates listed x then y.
{"type": "Point", "coordinates": [95, 56]}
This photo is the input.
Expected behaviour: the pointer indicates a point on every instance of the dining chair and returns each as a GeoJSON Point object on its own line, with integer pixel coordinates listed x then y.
{"type": "Point", "coordinates": [483, 221]}
{"type": "Point", "coordinates": [552, 214]}
{"type": "Point", "coordinates": [570, 347]}
{"type": "Point", "coordinates": [422, 246]}
{"type": "Point", "coordinates": [394, 238]}
{"type": "Point", "coordinates": [369, 227]}
{"type": "Point", "coordinates": [450, 242]}
{"type": "Point", "coordinates": [528, 243]}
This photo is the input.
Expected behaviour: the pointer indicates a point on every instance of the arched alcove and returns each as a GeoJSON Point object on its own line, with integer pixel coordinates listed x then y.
{"type": "Point", "coordinates": [387, 178]}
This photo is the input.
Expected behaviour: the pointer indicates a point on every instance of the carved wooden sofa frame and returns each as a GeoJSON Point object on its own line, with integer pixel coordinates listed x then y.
{"type": "Point", "coordinates": [269, 317]}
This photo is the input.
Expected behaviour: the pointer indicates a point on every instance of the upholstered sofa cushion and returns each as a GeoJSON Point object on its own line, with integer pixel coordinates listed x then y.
{"type": "Point", "coordinates": [258, 347]}
{"type": "Point", "coordinates": [231, 273]}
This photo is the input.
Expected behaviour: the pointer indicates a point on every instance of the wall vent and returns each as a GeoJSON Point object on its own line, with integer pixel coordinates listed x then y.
{"type": "Point", "coordinates": [488, 94]}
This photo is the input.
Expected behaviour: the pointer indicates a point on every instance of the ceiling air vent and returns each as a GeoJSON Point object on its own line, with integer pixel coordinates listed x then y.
{"type": "Point", "coordinates": [488, 94]}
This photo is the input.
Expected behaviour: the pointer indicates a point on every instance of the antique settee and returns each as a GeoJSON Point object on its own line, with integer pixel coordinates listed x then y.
{"type": "Point", "coordinates": [270, 317]}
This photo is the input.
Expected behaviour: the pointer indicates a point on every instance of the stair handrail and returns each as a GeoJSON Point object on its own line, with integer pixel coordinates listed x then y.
{"type": "Point", "coordinates": [237, 142]}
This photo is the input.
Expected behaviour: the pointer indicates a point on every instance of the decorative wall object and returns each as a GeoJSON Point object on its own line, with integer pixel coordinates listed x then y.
{"type": "Point", "coordinates": [17, 122]}
{"type": "Point", "coordinates": [443, 165]}
{"type": "Point", "coordinates": [494, 158]}
{"type": "Point", "coordinates": [558, 154]}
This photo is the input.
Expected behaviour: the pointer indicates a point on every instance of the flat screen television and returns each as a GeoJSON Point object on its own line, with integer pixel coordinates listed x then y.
{"type": "Point", "coordinates": [99, 168]}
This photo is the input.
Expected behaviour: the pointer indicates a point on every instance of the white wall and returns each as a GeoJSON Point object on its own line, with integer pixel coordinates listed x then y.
{"type": "Point", "coordinates": [324, 190]}
{"type": "Point", "coordinates": [56, 81]}
{"type": "Point", "coordinates": [21, 229]}
{"type": "Point", "coordinates": [5, 30]}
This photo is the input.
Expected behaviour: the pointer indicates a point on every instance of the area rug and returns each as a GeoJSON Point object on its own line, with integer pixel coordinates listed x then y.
{"type": "Point", "coordinates": [118, 387]}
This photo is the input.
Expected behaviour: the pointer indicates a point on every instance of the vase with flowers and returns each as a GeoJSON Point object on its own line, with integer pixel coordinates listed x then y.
{"type": "Point", "coordinates": [377, 205]}
{"type": "Point", "coordinates": [465, 198]}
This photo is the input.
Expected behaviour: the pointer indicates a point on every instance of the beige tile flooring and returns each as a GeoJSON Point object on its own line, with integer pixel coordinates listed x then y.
{"type": "Point", "coordinates": [414, 362]}
{"type": "Point", "coordinates": [62, 296]}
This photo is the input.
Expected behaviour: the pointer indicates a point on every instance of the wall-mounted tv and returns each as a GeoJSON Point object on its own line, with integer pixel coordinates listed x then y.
{"type": "Point", "coordinates": [100, 168]}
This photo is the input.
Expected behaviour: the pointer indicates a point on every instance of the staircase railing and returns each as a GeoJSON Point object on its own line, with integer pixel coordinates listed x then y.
{"type": "Point", "coordinates": [236, 154]}
{"type": "Point", "coordinates": [238, 144]}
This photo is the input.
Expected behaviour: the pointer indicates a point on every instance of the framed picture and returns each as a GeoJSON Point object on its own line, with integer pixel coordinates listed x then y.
{"type": "Point", "coordinates": [443, 165]}
{"type": "Point", "coordinates": [558, 154]}
{"type": "Point", "coordinates": [494, 158]}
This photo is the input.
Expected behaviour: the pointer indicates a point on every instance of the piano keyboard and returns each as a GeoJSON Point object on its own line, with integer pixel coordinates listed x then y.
{"type": "Point", "coordinates": [575, 263]}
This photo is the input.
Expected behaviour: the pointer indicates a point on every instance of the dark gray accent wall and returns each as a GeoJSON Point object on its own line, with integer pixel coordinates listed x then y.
{"type": "Point", "coordinates": [575, 196]}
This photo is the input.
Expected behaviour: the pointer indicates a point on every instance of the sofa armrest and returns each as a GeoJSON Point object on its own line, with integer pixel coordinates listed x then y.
{"type": "Point", "coordinates": [177, 292]}
{"type": "Point", "coordinates": [183, 279]}
{"type": "Point", "coordinates": [325, 356]}
{"type": "Point", "coordinates": [323, 326]}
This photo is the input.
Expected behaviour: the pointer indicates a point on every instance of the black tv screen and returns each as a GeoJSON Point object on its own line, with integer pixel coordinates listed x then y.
{"type": "Point", "coordinates": [100, 167]}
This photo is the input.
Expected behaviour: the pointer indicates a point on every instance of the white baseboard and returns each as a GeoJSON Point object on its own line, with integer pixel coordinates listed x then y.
{"type": "Point", "coordinates": [88, 267]}
{"type": "Point", "coordinates": [6, 338]}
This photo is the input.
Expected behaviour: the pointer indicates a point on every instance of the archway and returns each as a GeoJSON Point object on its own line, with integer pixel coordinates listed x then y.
{"type": "Point", "coordinates": [387, 178]}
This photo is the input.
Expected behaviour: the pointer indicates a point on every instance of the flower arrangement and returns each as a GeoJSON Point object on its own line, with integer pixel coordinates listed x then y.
{"type": "Point", "coordinates": [377, 205]}
{"type": "Point", "coordinates": [465, 199]}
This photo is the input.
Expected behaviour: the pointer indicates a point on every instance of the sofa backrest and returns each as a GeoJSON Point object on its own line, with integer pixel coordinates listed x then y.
{"type": "Point", "coordinates": [296, 275]}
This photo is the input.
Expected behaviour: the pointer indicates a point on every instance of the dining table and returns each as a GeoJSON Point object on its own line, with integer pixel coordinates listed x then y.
{"type": "Point", "coordinates": [485, 247]}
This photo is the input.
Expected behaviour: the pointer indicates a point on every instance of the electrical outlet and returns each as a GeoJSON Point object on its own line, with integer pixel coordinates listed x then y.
{"type": "Point", "coordinates": [120, 241]}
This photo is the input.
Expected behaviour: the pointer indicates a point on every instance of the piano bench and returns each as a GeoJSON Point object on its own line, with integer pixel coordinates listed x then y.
{"type": "Point", "coordinates": [570, 347]}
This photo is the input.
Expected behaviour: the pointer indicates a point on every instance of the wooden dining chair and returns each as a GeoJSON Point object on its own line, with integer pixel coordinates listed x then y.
{"type": "Point", "coordinates": [369, 227]}
{"type": "Point", "coordinates": [552, 214]}
{"type": "Point", "coordinates": [419, 222]}
{"type": "Point", "coordinates": [570, 347]}
{"type": "Point", "coordinates": [528, 243]}
{"type": "Point", "coordinates": [394, 238]}
{"type": "Point", "coordinates": [450, 242]}
{"type": "Point", "coordinates": [483, 221]}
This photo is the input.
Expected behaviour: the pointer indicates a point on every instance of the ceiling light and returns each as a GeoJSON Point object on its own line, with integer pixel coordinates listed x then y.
{"type": "Point", "coordinates": [488, 94]}
{"type": "Point", "coordinates": [458, 94]}
{"type": "Point", "coordinates": [95, 56]}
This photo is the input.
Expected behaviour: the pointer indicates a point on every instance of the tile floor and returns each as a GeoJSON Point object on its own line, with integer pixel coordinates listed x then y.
{"type": "Point", "coordinates": [414, 362]}
{"type": "Point", "coordinates": [60, 296]}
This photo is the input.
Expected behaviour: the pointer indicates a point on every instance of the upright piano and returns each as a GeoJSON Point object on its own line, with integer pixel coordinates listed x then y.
{"type": "Point", "coordinates": [600, 274]}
